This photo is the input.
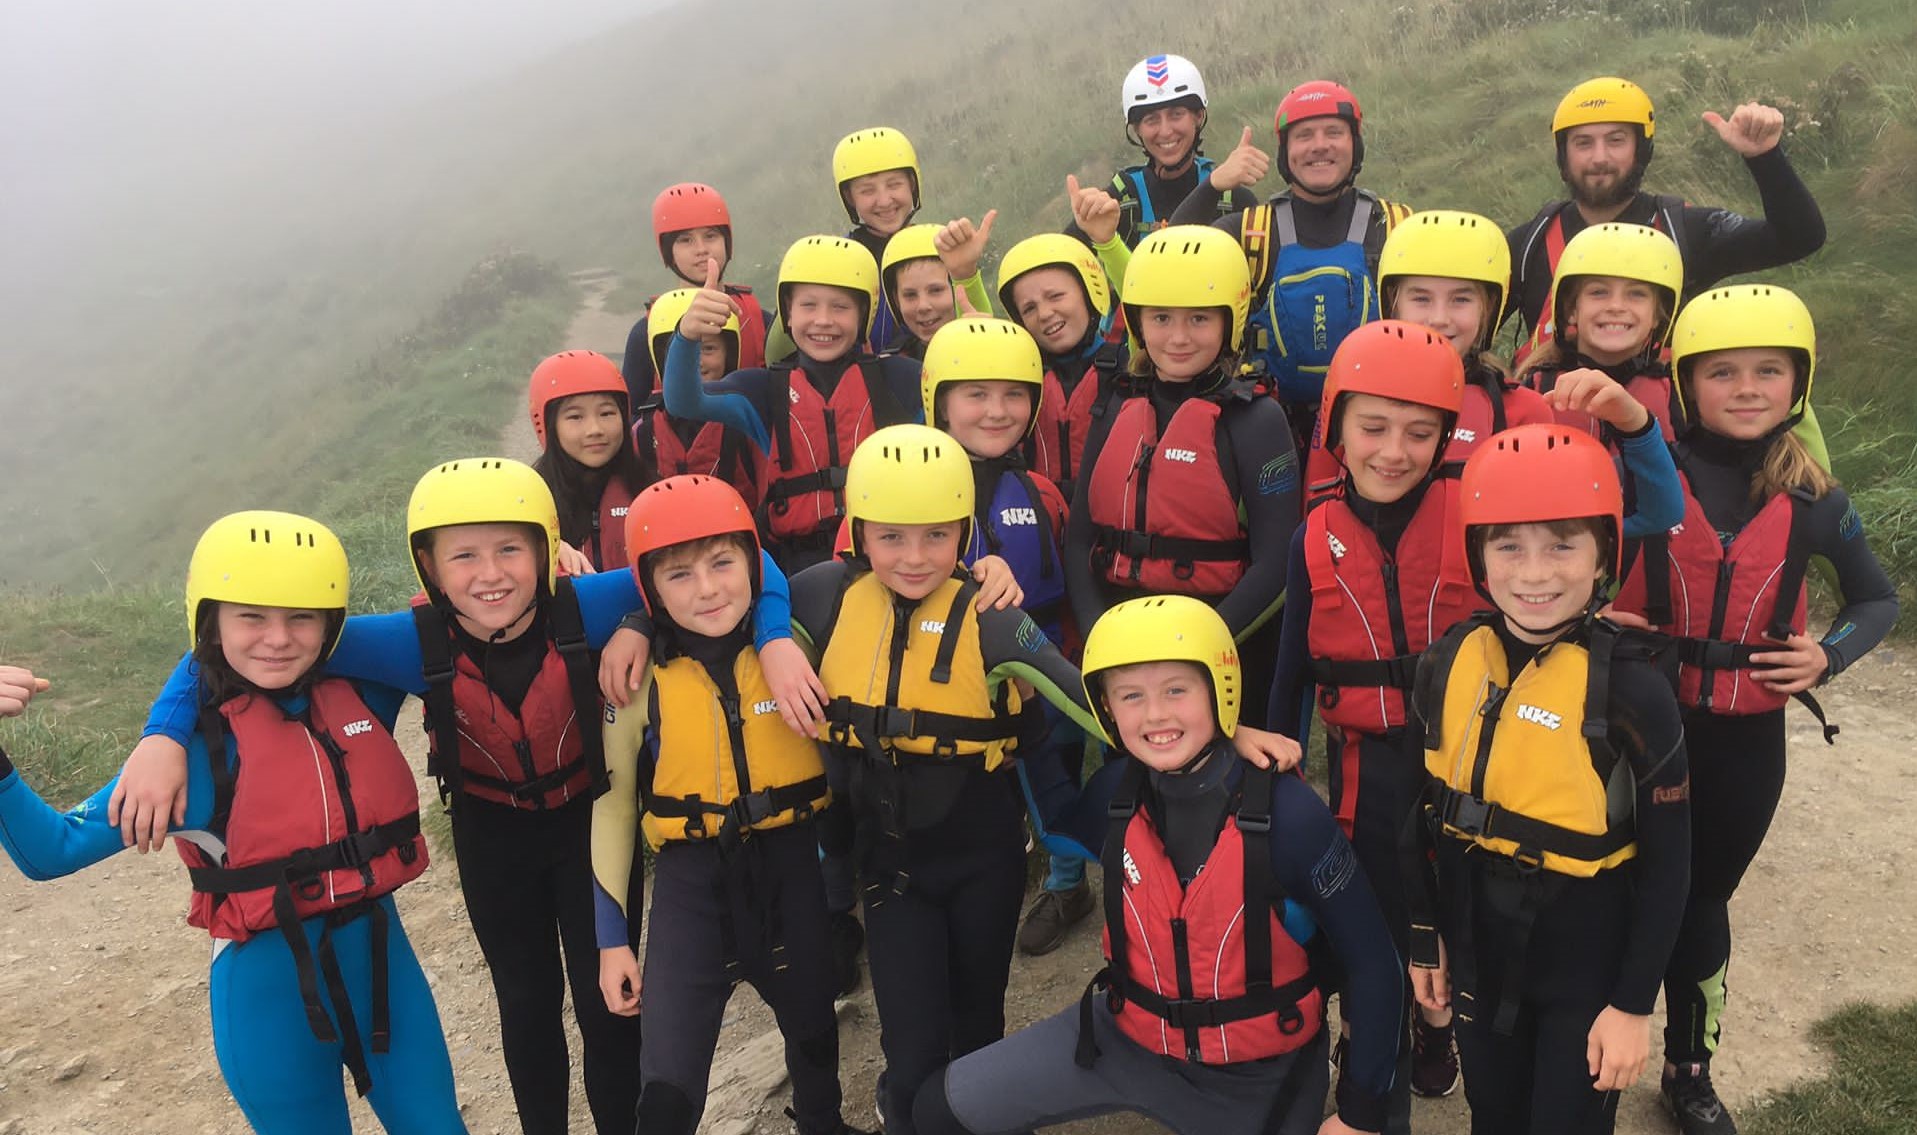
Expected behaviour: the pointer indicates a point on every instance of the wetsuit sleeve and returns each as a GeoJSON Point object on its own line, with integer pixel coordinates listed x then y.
{"type": "Point", "coordinates": [45, 843]}
{"type": "Point", "coordinates": [636, 364]}
{"type": "Point", "coordinates": [1645, 721]}
{"type": "Point", "coordinates": [176, 711]}
{"type": "Point", "coordinates": [1291, 685]}
{"type": "Point", "coordinates": [1528, 288]}
{"type": "Point", "coordinates": [604, 598]}
{"type": "Point", "coordinates": [974, 289]}
{"type": "Point", "coordinates": [1013, 646]}
{"type": "Point", "coordinates": [1720, 243]}
{"type": "Point", "coordinates": [1658, 500]}
{"type": "Point", "coordinates": [1200, 207]}
{"type": "Point", "coordinates": [1316, 866]}
{"type": "Point", "coordinates": [615, 821]}
{"type": "Point", "coordinates": [382, 648]}
{"type": "Point", "coordinates": [738, 400]}
{"type": "Point", "coordinates": [1082, 585]}
{"type": "Point", "coordinates": [771, 611]}
{"type": "Point", "coordinates": [1870, 598]}
{"type": "Point", "coordinates": [1115, 256]}
{"type": "Point", "coordinates": [1267, 475]}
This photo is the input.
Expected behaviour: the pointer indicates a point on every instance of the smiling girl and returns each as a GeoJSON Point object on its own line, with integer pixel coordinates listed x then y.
{"type": "Point", "coordinates": [578, 404]}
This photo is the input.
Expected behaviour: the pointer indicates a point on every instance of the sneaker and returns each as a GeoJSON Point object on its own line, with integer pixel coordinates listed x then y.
{"type": "Point", "coordinates": [848, 938]}
{"type": "Point", "coordinates": [878, 1100]}
{"type": "Point", "coordinates": [1694, 1103]}
{"type": "Point", "coordinates": [1051, 916]}
{"type": "Point", "coordinates": [1434, 1059]}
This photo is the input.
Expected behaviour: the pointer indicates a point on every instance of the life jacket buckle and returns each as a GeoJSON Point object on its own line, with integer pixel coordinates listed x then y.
{"type": "Point", "coordinates": [1467, 814]}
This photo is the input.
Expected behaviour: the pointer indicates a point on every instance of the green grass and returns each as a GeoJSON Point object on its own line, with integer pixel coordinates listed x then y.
{"type": "Point", "coordinates": [1872, 1088]}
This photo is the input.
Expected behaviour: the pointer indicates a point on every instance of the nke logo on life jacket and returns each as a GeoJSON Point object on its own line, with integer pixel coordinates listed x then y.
{"type": "Point", "coordinates": [932, 626]}
{"type": "Point", "coordinates": [1018, 516]}
{"type": "Point", "coordinates": [1188, 456]}
{"type": "Point", "coordinates": [1538, 716]}
{"type": "Point", "coordinates": [1132, 877]}
{"type": "Point", "coordinates": [1337, 546]}
{"type": "Point", "coordinates": [617, 511]}
{"type": "Point", "coordinates": [355, 728]}
{"type": "Point", "coordinates": [769, 705]}
{"type": "Point", "coordinates": [1462, 434]}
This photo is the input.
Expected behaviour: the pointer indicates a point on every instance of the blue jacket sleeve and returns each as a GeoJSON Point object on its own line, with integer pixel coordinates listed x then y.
{"type": "Point", "coordinates": [1316, 866]}
{"type": "Point", "coordinates": [772, 613]}
{"type": "Point", "coordinates": [176, 711]}
{"type": "Point", "coordinates": [1659, 501]}
{"type": "Point", "coordinates": [48, 844]}
{"type": "Point", "coordinates": [730, 401]}
{"type": "Point", "coordinates": [380, 648]}
{"type": "Point", "coordinates": [604, 598]}
{"type": "Point", "coordinates": [608, 921]}
{"type": "Point", "coordinates": [1291, 685]}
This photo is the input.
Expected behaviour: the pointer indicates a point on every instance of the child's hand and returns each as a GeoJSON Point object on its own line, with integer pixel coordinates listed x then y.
{"type": "Point", "coordinates": [1626, 618]}
{"type": "Point", "coordinates": [17, 687]}
{"type": "Point", "coordinates": [622, 665]}
{"type": "Point", "coordinates": [1266, 750]}
{"type": "Point", "coordinates": [572, 561]}
{"type": "Point", "coordinates": [795, 684]}
{"type": "Point", "coordinates": [997, 586]}
{"type": "Point", "coordinates": [1752, 129]}
{"type": "Point", "coordinates": [1335, 1126]}
{"type": "Point", "coordinates": [1431, 986]}
{"type": "Point", "coordinates": [1595, 393]}
{"type": "Point", "coordinates": [706, 315]}
{"type": "Point", "coordinates": [1617, 1048]}
{"type": "Point", "coordinates": [961, 246]}
{"type": "Point", "coordinates": [619, 981]}
{"type": "Point", "coordinates": [1245, 166]}
{"type": "Point", "coordinates": [1093, 210]}
{"type": "Point", "coordinates": [1795, 666]}
{"type": "Point", "coordinates": [150, 791]}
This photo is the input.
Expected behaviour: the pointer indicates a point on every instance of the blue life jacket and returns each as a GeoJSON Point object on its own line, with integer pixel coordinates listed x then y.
{"type": "Point", "coordinates": [1148, 221]}
{"type": "Point", "coordinates": [1017, 527]}
{"type": "Point", "coordinates": [1317, 297]}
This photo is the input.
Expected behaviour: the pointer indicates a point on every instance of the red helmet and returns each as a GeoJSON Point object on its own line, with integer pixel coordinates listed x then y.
{"type": "Point", "coordinates": [688, 205]}
{"type": "Point", "coordinates": [568, 373]}
{"type": "Point", "coordinates": [1320, 98]}
{"type": "Point", "coordinates": [679, 509]}
{"type": "Point", "coordinates": [1398, 360]}
{"type": "Point", "coordinates": [1536, 474]}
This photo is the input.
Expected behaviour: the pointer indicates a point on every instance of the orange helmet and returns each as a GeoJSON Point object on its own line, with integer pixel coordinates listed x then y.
{"type": "Point", "coordinates": [688, 205]}
{"type": "Point", "coordinates": [566, 374]}
{"type": "Point", "coordinates": [678, 509]}
{"type": "Point", "coordinates": [1398, 360]}
{"type": "Point", "coordinates": [1536, 474]}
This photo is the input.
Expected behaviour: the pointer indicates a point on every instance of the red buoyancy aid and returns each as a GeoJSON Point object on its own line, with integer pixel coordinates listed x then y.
{"type": "Point", "coordinates": [1165, 509]}
{"type": "Point", "coordinates": [751, 326]}
{"type": "Point", "coordinates": [1373, 613]}
{"type": "Point", "coordinates": [1724, 603]}
{"type": "Point", "coordinates": [606, 545]}
{"type": "Point", "coordinates": [1485, 415]}
{"type": "Point", "coordinates": [1065, 421]}
{"type": "Point", "coordinates": [1653, 391]}
{"type": "Point", "coordinates": [1180, 967]}
{"type": "Point", "coordinates": [533, 759]}
{"type": "Point", "coordinates": [811, 444]}
{"type": "Point", "coordinates": [305, 789]}
{"type": "Point", "coordinates": [716, 451]}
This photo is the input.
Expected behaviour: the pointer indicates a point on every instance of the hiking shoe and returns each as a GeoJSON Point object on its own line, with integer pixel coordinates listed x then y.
{"type": "Point", "coordinates": [1051, 916]}
{"type": "Point", "coordinates": [878, 1099]}
{"type": "Point", "coordinates": [1694, 1103]}
{"type": "Point", "coordinates": [1434, 1059]}
{"type": "Point", "coordinates": [848, 938]}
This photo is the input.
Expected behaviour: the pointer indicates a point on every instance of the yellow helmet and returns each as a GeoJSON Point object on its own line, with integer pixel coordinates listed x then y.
{"type": "Point", "coordinates": [1631, 252]}
{"type": "Point", "coordinates": [981, 349]}
{"type": "Point", "coordinates": [913, 242]}
{"type": "Point", "coordinates": [1607, 99]}
{"type": "Point", "coordinates": [1454, 245]}
{"type": "Point", "coordinates": [873, 150]}
{"type": "Point", "coordinates": [908, 475]}
{"type": "Point", "coordinates": [482, 490]}
{"type": "Point", "coordinates": [835, 261]}
{"type": "Point", "coordinates": [266, 559]}
{"type": "Point", "coordinates": [1744, 315]}
{"type": "Point", "coordinates": [1164, 628]}
{"type": "Point", "coordinates": [1048, 250]}
{"type": "Point", "coordinates": [1188, 266]}
{"type": "Point", "coordinates": [662, 319]}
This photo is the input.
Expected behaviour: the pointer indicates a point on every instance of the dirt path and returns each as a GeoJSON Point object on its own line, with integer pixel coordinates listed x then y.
{"type": "Point", "coordinates": [593, 328]}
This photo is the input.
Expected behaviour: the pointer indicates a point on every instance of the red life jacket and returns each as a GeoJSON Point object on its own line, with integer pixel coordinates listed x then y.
{"type": "Point", "coordinates": [716, 451]}
{"type": "Point", "coordinates": [751, 326]}
{"type": "Point", "coordinates": [1486, 415]}
{"type": "Point", "coordinates": [811, 443]}
{"type": "Point", "coordinates": [1065, 421]}
{"type": "Point", "coordinates": [1653, 391]}
{"type": "Point", "coordinates": [1373, 614]}
{"type": "Point", "coordinates": [605, 545]}
{"type": "Point", "coordinates": [1206, 972]}
{"type": "Point", "coordinates": [1667, 218]}
{"type": "Point", "coordinates": [1724, 603]}
{"type": "Point", "coordinates": [1165, 509]}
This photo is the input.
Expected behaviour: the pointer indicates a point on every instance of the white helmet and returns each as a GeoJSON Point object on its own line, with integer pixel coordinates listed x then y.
{"type": "Point", "coordinates": [1162, 80]}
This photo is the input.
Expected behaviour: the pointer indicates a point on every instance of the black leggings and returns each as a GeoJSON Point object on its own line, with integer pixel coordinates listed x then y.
{"type": "Point", "coordinates": [527, 878]}
{"type": "Point", "coordinates": [1737, 777]}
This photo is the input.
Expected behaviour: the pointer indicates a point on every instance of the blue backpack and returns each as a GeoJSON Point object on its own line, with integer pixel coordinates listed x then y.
{"type": "Point", "coordinates": [1317, 296]}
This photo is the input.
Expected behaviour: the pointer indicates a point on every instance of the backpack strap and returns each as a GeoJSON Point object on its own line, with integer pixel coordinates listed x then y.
{"type": "Point", "coordinates": [1361, 211]}
{"type": "Point", "coordinates": [213, 733]}
{"type": "Point", "coordinates": [954, 627]}
{"type": "Point", "coordinates": [780, 393]}
{"type": "Point", "coordinates": [1111, 860]}
{"type": "Point", "coordinates": [1434, 673]}
{"type": "Point", "coordinates": [1285, 223]}
{"type": "Point", "coordinates": [1147, 216]}
{"type": "Point", "coordinates": [1255, 237]}
{"type": "Point", "coordinates": [435, 635]}
{"type": "Point", "coordinates": [569, 637]}
{"type": "Point", "coordinates": [1790, 583]}
{"type": "Point", "coordinates": [1048, 561]}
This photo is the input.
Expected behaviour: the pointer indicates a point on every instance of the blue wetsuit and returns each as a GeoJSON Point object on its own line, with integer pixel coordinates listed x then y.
{"type": "Point", "coordinates": [286, 1081]}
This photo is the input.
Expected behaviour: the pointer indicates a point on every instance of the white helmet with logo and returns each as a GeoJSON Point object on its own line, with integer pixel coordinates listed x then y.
{"type": "Point", "coordinates": [1159, 81]}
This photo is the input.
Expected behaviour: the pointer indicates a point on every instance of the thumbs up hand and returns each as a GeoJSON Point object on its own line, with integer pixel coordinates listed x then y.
{"type": "Point", "coordinates": [1093, 210]}
{"type": "Point", "coordinates": [961, 245]}
{"type": "Point", "coordinates": [1247, 165]}
{"type": "Point", "coordinates": [17, 687]}
{"type": "Point", "coordinates": [707, 314]}
{"type": "Point", "coordinates": [1752, 128]}
{"type": "Point", "coordinates": [966, 309]}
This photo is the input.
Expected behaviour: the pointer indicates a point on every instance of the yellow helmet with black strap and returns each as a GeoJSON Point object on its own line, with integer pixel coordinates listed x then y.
{"type": "Point", "coordinates": [1606, 99]}
{"type": "Point", "coordinates": [1453, 245]}
{"type": "Point", "coordinates": [1055, 250]}
{"type": "Point", "coordinates": [262, 558]}
{"type": "Point", "coordinates": [908, 474]}
{"type": "Point", "coordinates": [1190, 266]}
{"type": "Point", "coordinates": [482, 490]}
{"type": "Point", "coordinates": [873, 150]}
{"type": "Point", "coordinates": [1742, 316]}
{"type": "Point", "coordinates": [1164, 628]}
{"type": "Point", "coordinates": [981, 350]}
{"type": "Point", "coordinates": [835, 262]}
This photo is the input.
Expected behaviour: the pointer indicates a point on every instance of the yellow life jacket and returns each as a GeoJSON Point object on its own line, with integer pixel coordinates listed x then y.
{"type": "Point", "coordinates": [912, 681]}
{"type": "Point", "coordinates": [726, 765]}
{"type": "Point", "coordinates": [1523, 767]}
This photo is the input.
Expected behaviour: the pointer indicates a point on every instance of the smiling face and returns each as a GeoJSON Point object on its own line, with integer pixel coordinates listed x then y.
{"type": "Point", "coordinates": [1614, 318]}
{"type": "Point", "coordinates": [1320, 152]}
{"type": "Point", "coordinates": [490, 573]}
{"type": "Point", "coordinates": [270, 647]}
{"type": "Point", "coordinates": [1599, 159]}
{"type": "Point", "coordinates": [911, 559]}
{"type": "Point", "coordinates": [1542, 576]}
{"type": "Point", "coordinates": [1743, 394]}
{"type": "Point", "coordinates": [1455, 309]}
{"type": "Point", "coordinates": [693, 249]}
{"type": "Point", "coordinates": [1389, 445]}
{"type": "Point", "coordinates": [922, 297]}
{"type": "Point", "coordinates": [824, 321]}
{"type": "Point", "coordinates": [1162, 712]}
{"type": "Point", "coordinates": [882, 201]}
{"type": "Point", "coordinates": [986, 418]}
{"type": "Point", "coordinates": [588, 428]}
{"type": "Point", "coordinates": [1169, 133]}
{"type": "Point", "coordinates": [1183, 342]}
{"type": "Point", "coordinates": [1050, 303]}
{"type": "Point", "coordinates": [705, 586]}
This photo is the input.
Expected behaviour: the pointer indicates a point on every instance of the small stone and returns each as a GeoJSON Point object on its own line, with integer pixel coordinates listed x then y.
{"type": "Point", "coordinates": [71, 1069]}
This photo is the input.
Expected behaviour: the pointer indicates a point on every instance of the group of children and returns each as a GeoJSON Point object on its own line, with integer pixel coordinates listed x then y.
{"type": "Point", "coordinates": [824, 607]}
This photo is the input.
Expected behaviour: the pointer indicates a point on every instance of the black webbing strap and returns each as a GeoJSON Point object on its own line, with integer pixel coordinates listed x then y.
{"type": "Point", "coordinates": [849, 722]}
{"type": "Point", "coordinates": [1182, 551]}
{"type": "Point", "coordinates": [1474, 816]}
{"type": "Point", "coordinates": [949, 634]}
{"type": "Point", "coordinates": [213, 733]}
{"type": "Point", "coordinates": [779, 396]}
{"type": "Point", "coordinates": [1111, 860]}
{"type": "Point", "coordinates": [743, 813]}
{"type": "Point", "coordinates": [569, 638]}
{"type": "Point", "coordinates": [1048, 562]}
{"type": "Point", "coordinates": [1398, 672]}
{"type": "Point", "coordinates": [442, 722]}
{"type": "Point", "coordinates": [1790, 581]}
